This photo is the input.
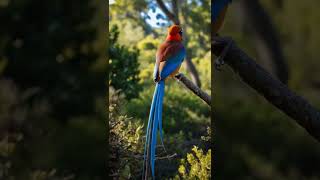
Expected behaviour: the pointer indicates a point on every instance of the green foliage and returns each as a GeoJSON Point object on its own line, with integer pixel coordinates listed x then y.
{"type": "Point", "coordinates": [52, 88]}
{"type": "Point", "coordinates": [197, 165]}
{"type": "Point", "coordinates": [125, 140]}
{"type": "Point", "coordinates": [204, 65]}
{"type": "Point", "coordinates": [8, 148]}
{"type": "Point", "coordinates": [183, 125]}
{"type": "Point", "coordinates": [124, 66]}
{"type": "Point", "coordinates": [126, 15]}
{"type": "Point", "coordinates": [181, 111]}
{"type": "Point", "coordinates": [57, 53]}
{"type": "Point", "coordinates": [208, 136]}
{"type": "Point", "coordinates": [48, 175]}
{"type": "Point", "coordinates": [196, 19]}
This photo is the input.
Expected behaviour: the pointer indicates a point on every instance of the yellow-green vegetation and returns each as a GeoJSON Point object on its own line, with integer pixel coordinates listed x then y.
{"type": "Point", "coordinates": [125, 138]}
{"type": "Point", "coordinates": [197, 165]}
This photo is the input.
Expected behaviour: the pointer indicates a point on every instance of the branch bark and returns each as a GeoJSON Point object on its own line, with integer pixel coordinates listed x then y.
{"type": "Point", "coordinates": [194, 88]}
{"type": "Point", "coordinates": [171, 16]}
{"type": "Point", "coordinates": [192, 68]}
{"type": "Point", "coordinates": [272, 89]}
{"type": "Point", "coordinates": [175, 8]}
{"type": "Point", "coordinates": [167, 157]}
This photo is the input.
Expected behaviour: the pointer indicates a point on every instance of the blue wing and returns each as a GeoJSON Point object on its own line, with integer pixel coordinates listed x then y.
{"type": "Point", "coordinates": [172, 63]}
{"type": "Point", "coordinates": [217, 7]}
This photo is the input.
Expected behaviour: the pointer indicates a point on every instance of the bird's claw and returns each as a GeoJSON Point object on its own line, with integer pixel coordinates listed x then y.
{"type": "Point", "coordinates": [156, 79]}
{"type": "Point", "coordinates": [218, 63]}
{"type": "Point", "coordinates": [220, 60]}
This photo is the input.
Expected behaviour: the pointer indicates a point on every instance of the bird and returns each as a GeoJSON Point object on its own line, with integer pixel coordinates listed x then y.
{"type": "Point", "coordinates": [218, 12]}
{"type": "Point", "coordinates": [169, 57]}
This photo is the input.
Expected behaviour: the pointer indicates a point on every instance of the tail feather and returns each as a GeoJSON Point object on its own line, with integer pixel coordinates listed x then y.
{"type": "Point", "coordinates": [148, 138]}
{"type": "Point", "coordinates": [154, 125]}
{"type": "Point", "coordinates": [160, 119]}
{"type": "Point", "coordinates": [150, 122]}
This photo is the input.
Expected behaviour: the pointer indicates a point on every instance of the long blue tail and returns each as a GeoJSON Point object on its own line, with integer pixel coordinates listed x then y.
{"type": "Point", "coordinates": [154, 125]}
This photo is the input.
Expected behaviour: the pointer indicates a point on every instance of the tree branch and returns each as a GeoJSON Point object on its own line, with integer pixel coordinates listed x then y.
{"type": "Point", "coordinates": [272, 89]}
{"type": "Point", "coordinates": [175, 8]}
{"type": "Point", "coordinates": [191, 67]}
{"type": "Point", "coordinates": [265, 37]}
{"type": "Point", "coordinates": [166, 11]}
{"type": "Point", "coordinates": [167, 157]}
{"type": "Point", "coordinates": [192, 87]}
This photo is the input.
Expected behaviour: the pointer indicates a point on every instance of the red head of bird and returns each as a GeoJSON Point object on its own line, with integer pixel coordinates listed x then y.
{"type": "Point", "coordinates": [174, 33]}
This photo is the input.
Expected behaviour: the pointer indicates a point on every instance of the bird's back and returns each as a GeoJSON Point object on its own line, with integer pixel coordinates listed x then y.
{"type": "Point", "coordinates": [171, 54]}
{"type": "Point", "coordinates": [167, 49]}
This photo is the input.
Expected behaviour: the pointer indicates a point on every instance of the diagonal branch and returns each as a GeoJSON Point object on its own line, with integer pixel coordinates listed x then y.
{"type": "Point", "coordinates": [175, 8]}
{"type": "Point", "coordinates": [194, 88]}
{"type": "Point", "coordinates": [166, 11]}
{"type": "Point", "coordinates": [272, 89]}
{"type": "Point", "coordinates": [266, 38]}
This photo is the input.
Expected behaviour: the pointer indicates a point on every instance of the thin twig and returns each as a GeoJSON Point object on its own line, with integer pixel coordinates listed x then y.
{"type": "Point", "coordinates": [167, 157]}
{"type": "Point", "coordinates": [166, 11]}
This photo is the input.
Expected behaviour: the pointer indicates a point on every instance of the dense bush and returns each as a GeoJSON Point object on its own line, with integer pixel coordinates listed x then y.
{"type": "Point", "coordinates": [125, 141]}
{"type": "Point", "coordinates": [197, 165]}
{"type": "Point", "coordinates": [123, 66]}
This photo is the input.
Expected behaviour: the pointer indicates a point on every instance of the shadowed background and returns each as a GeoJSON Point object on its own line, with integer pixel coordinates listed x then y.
{"type": "Point", "coordinates": [255, 140]}
{"type": "Point", "coordinates": [52, 89]}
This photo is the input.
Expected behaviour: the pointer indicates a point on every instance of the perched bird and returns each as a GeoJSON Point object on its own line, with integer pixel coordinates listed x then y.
{"type": "Point", "coordinates": [169, 57]}
{"type": "Point", "coordinates": [218, 12]}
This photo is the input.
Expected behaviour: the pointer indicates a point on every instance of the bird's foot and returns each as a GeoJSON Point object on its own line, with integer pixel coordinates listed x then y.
{"type": "Point", "coordinates": [219, 62]}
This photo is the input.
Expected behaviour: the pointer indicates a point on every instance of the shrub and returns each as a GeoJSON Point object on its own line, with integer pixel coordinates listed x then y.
{"type": "Point", "coordinates": [124, 66]}
{"type": "Point", "coordinates": [197, 165]}
{"type": "Point", "coordinates": [125, 140]}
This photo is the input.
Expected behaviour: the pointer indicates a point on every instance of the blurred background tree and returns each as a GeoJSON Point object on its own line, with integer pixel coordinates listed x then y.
{"type": "Point", "coordinates": [254, 139]}
{"type": "Point", "coordinates": [52, 91]}
{"type": "Point", "coordinates": [124, 66]}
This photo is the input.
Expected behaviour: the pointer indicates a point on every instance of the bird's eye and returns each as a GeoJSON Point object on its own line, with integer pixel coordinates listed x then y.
{"type": "Point", "coordinates": [180, 33]}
